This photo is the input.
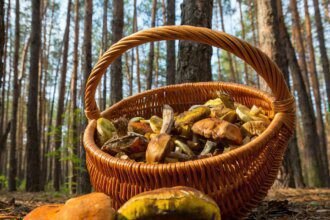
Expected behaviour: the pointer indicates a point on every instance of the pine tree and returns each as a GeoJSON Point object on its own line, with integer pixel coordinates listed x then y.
{"type": "Point", "coordinates": [116, 67]}
{"type": "Point", "coordinates": [194, 59]}
{"type": "Point", "coordinates": [33, 141]}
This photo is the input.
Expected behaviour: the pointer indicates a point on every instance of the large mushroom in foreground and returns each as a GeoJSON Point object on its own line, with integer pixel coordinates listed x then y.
{"type": "Point", "coordinates": [170, 203]}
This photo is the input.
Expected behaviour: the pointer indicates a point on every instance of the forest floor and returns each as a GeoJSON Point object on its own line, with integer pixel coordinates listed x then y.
{"type": "Point", "coordinates": [279, 204]}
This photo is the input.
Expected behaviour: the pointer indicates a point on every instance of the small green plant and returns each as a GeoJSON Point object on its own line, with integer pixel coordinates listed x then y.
{"type": "Point", "coordinates": [22, 184]}
{"type": "Point", "coordinates": [3, 182]}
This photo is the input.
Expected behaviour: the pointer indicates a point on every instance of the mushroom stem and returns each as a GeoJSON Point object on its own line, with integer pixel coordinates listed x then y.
{"type": "Point", "coordinates": [168, 119]}
{"type": "Point", "coordinates": [209, 145]}
{"type": "Point", "coordinates": [184, 147]}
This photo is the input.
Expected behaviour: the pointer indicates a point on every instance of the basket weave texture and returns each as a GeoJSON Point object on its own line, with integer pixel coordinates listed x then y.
{"type": "Point", "coordinates": [237, 180]}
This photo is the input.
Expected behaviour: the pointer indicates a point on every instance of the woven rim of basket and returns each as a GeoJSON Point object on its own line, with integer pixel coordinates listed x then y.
{"type": "Point", "coordinates": [273, 128]}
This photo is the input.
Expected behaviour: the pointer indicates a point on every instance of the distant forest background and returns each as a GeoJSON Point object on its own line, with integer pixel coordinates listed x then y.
{"type": "Point", "coordinates": [48, 48]}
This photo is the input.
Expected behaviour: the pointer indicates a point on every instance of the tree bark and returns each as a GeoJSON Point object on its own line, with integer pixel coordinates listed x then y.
{"type": "Point", "coordinates": [217, 22]}
{"type": "Point", "coordinates": [253, 30]}
{"type": "Point", "coordinates": [326, 5]}
{"type": "Point", "coordinates": [312, 147]}
{"type": "Point", "coordinates": [151, 49]}
{"type": "Point", "coordinates": [3, 139]}
{"type": "Point", "coordinates": [3, 73]}
{"type": "Point", "coordinates": [194, 59]}
{"type": "Point", "coordinates": [42, 91]}
{"type": "Point", "coordinates": [46, 139]}
{"type": "Point", "coordinates": [135, 29]}
{"type": "Point", "coordinates": [73, 89]}
{"type": "Point", "coordinates": [314, 80]}
{"type": "Point", "coordinates": [164, 12]}
{"type": "Point", "coordinates": [33, 156]}
{"type": "Point", "coordinates": [298, 43]}
{"type": "Point", "coordinates": [60, 102]}
{"type": "Point", "coordinates": [84, 185]}
{"type": "Point", "coordinates": [21, 109]}
{"type": "Point", "coordinates": [270, 39]}
{"type": "Point", "coordinates": [157, 64]}
{"type": "Point", "coordinates": [2, 40]}
{"type": "Point", "coordinates": [128, 74]}
{"type": "Point", "coordinates": [170, 45]}
{"type": "Point", "coordinates": [246, 70]}
{"type": "Point", "coordinates": [104, 48]}
{"type": "Point", "coordinates": [230, 59]}
{"type": "Point", "coordinates": [13, 132]}
{"type": "Point", "coordinates": [323, 50]}
{"type": "Point", "coordinates": [116, 67]}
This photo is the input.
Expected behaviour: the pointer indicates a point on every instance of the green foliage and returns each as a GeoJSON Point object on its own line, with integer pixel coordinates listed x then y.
{"type": "Point", "coordinates": [22, 184]}
{"type": "Point", "coordinates": [3, 181]}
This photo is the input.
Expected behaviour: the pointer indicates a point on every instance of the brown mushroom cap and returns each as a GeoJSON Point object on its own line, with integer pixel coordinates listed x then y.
{"type": "Point", "coordinates": [139, 127]}
{"type": "Point", "coordinates": [91, 206]}
{"type": "Point", "coordinates": [46, 212]}
{"type": "Point", "coordinates": [158, 148]}
{"type": "Point", "coordinates": [97, 206]}
{"type": "Point", "coordinates": [218, 129]}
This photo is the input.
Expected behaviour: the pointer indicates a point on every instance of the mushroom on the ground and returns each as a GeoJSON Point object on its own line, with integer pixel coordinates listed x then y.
{"type": "Point", "coordinates": [170, 203]}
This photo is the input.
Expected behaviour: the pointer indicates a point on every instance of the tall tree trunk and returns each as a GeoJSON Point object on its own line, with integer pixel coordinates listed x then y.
{"type": "Point", "coordinates": [2, 40]}
{"type": "Point", "coordinates": [13, 132]}
{"type": "Point", "coordinates": [298, 41]}
{"type": "Point", "coordinates": [73, 89]}
{"type": "Point", "coordinates": [60, 103]}
{"type": "Point", "coordinates": [170, 45]}
{"type": "Point", "coordinates": [46, 138]}
{"type": "Point", "coordinates": [230, 59]}
{"type": "Point", "coordinates": [104, 48]}
{"type": "Point", "coordinates": [42, 91]}
{"type": "Point", "coordinates": [84, 185]}
{"type": "Point", "coordinates": [312, 148]}
{"type": "Point", "coordinates": [21, 108]}
{"type": "Point", "coordinates": [50, 122]}
{"type": "Point", "coordinates": [326, 6]}
{"type": "Point", "coordinates": [291, 163]}
{"type": "Point", "coordinates": [151, 49]}
{"type": "Point", "coordinates": [217, 22]}
{"type": "Point", "coordinates": [33, 142]}
{"type": "Point", "coordinates": [269, 40]}
{"type": "Point", "coordinates": [269, 21]}
{"type": "Point", "coordinates": [3, 73]}
{"type": "Point", "coordinates": [157, 64]}
{"type": "Point", "coordinates": [253, 30]}
{"type": "Point", "coordinates": [194, 59]}
{"type": "Point", "coordinates": [246, 70]}
{"type": "Point", "coordinates": [135, 29]}
{"type": "Point", "coordinates": [164, 12]}
{"type": "Point", "coordinates": [315, 83]}
{"type": "Point", "coordinates": [116, 67]}
{"type": "Point", "coordinates": [323, 52]}
{"type": "Point", "coordinates": [3, 139]}
{"type": "Point", "coordinates": [128, 74]}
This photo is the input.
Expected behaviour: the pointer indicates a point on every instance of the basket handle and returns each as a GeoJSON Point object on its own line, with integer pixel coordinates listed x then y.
{"type": "Point", "coordinates": [258, 60]}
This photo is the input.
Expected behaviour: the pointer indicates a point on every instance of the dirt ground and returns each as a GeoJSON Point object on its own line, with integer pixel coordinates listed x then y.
{"type": "Point", "coordinates": [279, 204]}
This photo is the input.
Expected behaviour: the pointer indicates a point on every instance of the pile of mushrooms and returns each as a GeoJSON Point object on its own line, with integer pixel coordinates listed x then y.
{"type": "Point", "coordinates": [216, 127]}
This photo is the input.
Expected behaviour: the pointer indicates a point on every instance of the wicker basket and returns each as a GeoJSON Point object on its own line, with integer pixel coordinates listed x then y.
{"type": "Point", "coordinates": [236, 180]}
